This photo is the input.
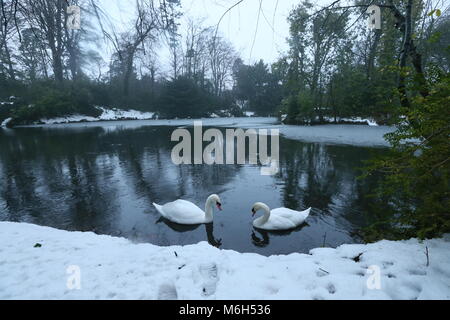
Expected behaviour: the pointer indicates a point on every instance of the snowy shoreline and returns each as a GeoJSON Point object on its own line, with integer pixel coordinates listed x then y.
{"type": "Point", "coordinates": [107, 115]}
{"type": "Point", "coordinates": [115, 268]}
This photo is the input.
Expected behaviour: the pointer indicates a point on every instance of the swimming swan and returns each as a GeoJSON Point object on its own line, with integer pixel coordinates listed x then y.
{"type": "Point", "coordinates": [278, 219]}
{"type": "Point", "coordinates": [185, 212]}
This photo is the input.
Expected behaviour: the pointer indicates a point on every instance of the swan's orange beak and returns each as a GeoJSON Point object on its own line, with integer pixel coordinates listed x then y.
{"type": "Point", "coordinates": [253, 212]}
{"type": "Point", "coordinates": [219, 206]}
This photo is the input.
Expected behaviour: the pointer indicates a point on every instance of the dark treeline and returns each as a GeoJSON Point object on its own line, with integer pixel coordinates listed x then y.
{"type": "Point", "coordinates": [336, 66]}
{"type": "Point", "coordinates": [53, 70]}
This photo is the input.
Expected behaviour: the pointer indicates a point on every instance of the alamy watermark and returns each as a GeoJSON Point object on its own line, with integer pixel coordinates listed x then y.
{"type": "Point", "coordinates": [374, 19]}
{"type": "Point", "coordinates": [214, 153]}
{"type": "Point", "coordinates": [73, 18]}
{"type": "Point", "coordinates": [374, 279]}
{"type": "Point", "coordinates": [74, 278]}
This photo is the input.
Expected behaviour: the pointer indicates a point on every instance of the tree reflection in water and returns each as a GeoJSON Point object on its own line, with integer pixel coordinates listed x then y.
{"type": "Point", "coordinates": [105, 178]}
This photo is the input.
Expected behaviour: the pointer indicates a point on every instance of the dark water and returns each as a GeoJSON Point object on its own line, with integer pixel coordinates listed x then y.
{"type": "Point", "coordinates": [97, 179]}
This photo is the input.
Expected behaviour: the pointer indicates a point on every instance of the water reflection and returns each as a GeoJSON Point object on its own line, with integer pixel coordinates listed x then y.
{"type": "Point", "coordinates": [209, 229]}
{"type": "Point", "coordinates": [104, 179]}
{"type": "Point", "coordinates": [261, 238]}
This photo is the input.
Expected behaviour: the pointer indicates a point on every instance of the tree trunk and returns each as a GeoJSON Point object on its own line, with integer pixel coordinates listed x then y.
{"type": "Point", "coordinates": [404, 24]}
{"type": "Point", "coordinates": [127, 75]}
{"type": "Point", "coordinates": [57, 67]}
{"type": "Point", "coordinates": [372, 54]}
{"type": "Point", "coordinates": [9, 62]}
{"type": "Point", "coordinates": [57, 55]}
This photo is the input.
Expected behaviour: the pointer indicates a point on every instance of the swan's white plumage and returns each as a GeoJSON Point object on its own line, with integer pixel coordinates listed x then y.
{"type": "Point", "coordinates": [181, 211]}
{"type": "Point", "coordinates": [281, 219]}
{"type": "Point", "coordinates": [185, 212]}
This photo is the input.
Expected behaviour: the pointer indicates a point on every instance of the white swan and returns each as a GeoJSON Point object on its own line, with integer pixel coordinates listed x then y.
{"type": "Point", "coordinates": [278, 219]}
{"type": "Point", "coordinates": [185, 212]}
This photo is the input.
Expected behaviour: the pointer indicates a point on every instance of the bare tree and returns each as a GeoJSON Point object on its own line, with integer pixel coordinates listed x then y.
{"type": "Point", "coordinates": [176, 55]}
{"type": "Point", "coordinates": [49, 16]}
{"type": "Point", "coordinates": [221, 60]}
{"type": "Point", "coordinates": [196, 51]}
{"type": "Point", "coordinates": [152, 18]}
{"type": "Point", "coordinates": [8, 26]}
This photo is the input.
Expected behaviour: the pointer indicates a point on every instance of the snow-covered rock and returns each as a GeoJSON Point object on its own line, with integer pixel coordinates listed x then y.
{"type": "Point", "coordinates": [44, 263]}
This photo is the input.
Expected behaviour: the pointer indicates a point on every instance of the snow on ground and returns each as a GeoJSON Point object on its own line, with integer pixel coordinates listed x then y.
{"type": "Point", "coordinates": [115, 268]}
{"type": "Point", "coordinates": [369, 122]}
{"type": "Point", "coordinates": [107, 114]}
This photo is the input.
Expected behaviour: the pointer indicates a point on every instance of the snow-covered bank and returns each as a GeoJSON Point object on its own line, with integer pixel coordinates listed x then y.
{"type": "Point", "coordinates": [115, 268]}
{"type": "Point", "coordinates": [338, 120]}
{"type": "Point", "coordinates": [107, 114]}
{"type": "Point", "coordinates": [369, 122]}
{"type": "Point", "coordinates": [5, 122]}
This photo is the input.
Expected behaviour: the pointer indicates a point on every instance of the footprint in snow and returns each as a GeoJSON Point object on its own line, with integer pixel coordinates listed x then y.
{"type": "Point", "coordinates": [167, 291]}
{"type": "Point", "coordinates": [210, 276]}
{"type": "Point", "coordinates": [391, 276]}
{"type": "Point", "coordinates": [331, 288]}
{"type": "Point", "coordinates": [321, 273]}
{"type": "Point", "coordinates": [417, 272]}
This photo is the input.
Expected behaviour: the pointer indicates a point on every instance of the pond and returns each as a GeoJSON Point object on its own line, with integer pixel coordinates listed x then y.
{"type": "Point", "coordinates": [104, 177]}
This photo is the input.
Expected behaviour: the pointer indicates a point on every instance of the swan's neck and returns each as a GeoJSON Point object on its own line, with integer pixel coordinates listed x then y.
{"type": "Point", "coordinates": [209, 205]}
{"type": "Point", "coordinates": [266, 215]}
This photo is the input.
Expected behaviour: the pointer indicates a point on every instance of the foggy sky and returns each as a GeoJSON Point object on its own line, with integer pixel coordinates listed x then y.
{"type": "Point", "coordinates": [239, 26]}
{"type": "Point", "coordinates": [253, 40]}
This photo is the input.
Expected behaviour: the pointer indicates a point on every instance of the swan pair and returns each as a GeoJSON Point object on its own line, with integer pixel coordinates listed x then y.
{"type": "Point", "coordinates": [185, 212]}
